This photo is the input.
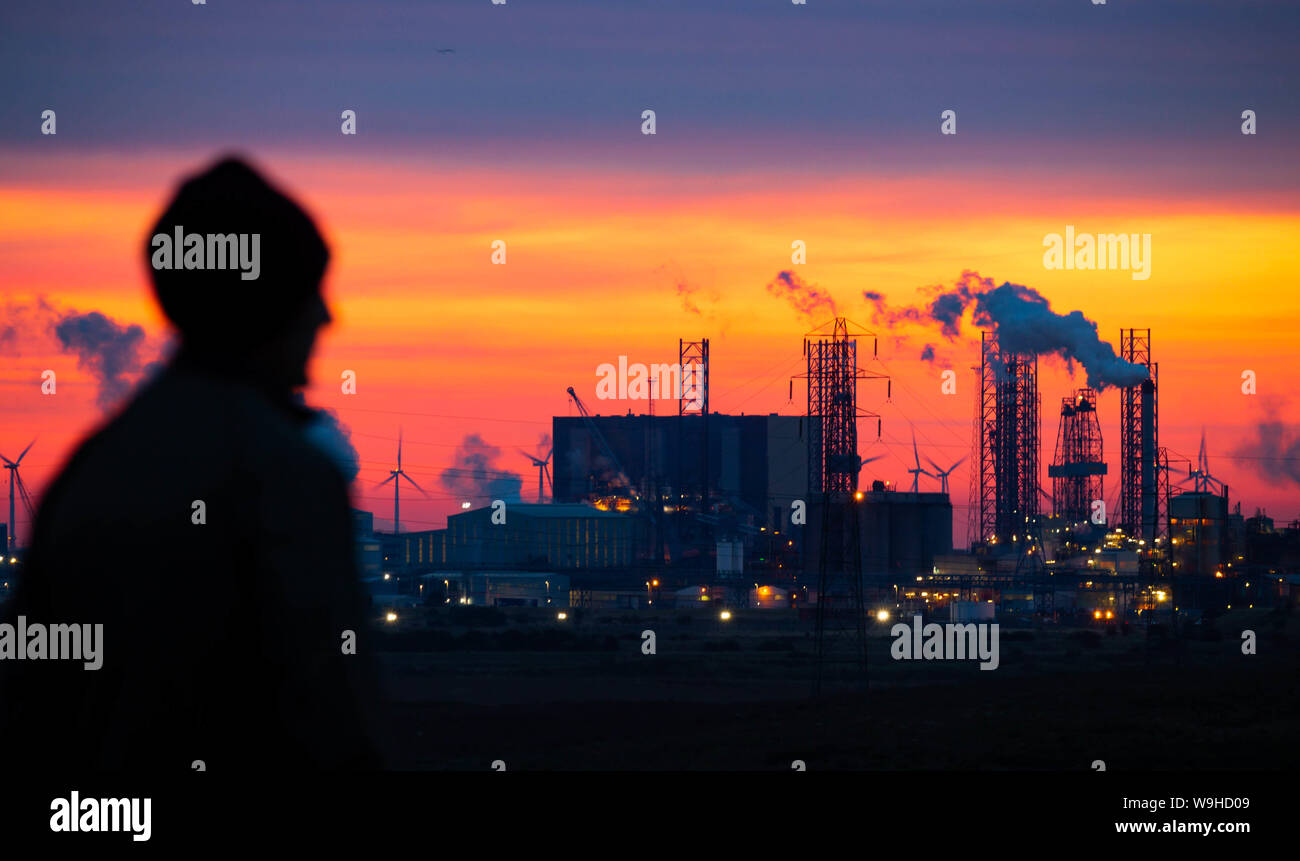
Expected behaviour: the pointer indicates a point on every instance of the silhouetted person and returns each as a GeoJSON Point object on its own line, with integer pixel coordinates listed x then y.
{"type": "Point", "coordinates": [222, 640]}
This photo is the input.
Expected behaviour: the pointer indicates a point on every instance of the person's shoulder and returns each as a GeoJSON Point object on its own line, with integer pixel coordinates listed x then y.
{"type": "Point", "coordinates": [274, 441]}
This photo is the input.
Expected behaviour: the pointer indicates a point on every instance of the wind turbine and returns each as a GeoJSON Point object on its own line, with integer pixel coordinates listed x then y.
{"type": "Point", "coordinates": [396, 476]}
{"type": "Point", "coordinates": [942, 474]}
{"type": "Point", "coordinates": [863, 461]}
{"type": "Point", "coordinates": [1203, 481]}
{"type": "Point", "coordinates": [916, 472]}
{"type": "Point", "coordinates": [542, 470]}
{"type": "Point", "coordinates": [16, 480]}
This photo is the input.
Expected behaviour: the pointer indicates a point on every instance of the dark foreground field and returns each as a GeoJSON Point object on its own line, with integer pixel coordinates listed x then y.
{"type": "Point", "coordinates": [542, 695]}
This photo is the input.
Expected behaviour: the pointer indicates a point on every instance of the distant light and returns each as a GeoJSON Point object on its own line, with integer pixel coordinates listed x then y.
{"type": "Point", "coordinates": [387, 576]}
{"type": "Point", "coordinates": [725, 615]}
{"type": "Point", "coordinates": [882, 615]}
{"type": "Point", "coordinates": [654, 583]}
{"type": "Point", "coordinates": [561, 615]}
{"type": "Point", "coordinates": [464, 505]}
{"type": "Point", "coordinates": [390, 616]}
{"type": "Point", "coordinates": [858, 496]}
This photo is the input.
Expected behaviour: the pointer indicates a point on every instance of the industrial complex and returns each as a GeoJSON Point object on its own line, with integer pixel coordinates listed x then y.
{"type": "Point", "coordinates": [687, 506]}
{"type": "Point", "coordinates": [697, 507]}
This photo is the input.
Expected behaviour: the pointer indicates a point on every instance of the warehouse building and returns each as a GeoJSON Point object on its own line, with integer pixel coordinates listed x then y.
{"type": "Point", "coordinates": [532, 537]}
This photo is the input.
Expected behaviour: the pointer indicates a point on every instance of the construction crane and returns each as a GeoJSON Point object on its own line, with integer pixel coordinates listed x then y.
{"type": "Point", "coordinates": [600, 439]}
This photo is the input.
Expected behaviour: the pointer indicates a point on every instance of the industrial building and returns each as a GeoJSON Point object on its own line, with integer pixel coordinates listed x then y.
{"type": "Point", "coordinates": [369, 547]}
{"type": "Point", "coordinates": [532, 537]}
{"type": "Point", "coordinates": [756, 464]}
{"type": "Point", "coordinates": [690, 479]}
{"type": "Point", "coordinates": [1198, 529]}
{"type": "Point", "coordinates": [511, 588]}
{"type": "Point", "coordinates": [901, 533]}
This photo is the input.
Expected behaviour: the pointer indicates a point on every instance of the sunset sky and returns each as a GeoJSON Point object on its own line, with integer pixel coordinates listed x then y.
{"type": "Point", "coordinates": [775, 123]}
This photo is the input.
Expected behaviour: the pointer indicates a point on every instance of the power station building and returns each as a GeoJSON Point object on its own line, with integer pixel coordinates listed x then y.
{"type": "Point", "coordinates": [533, 537]}
{"type": "Point", "coordinates": [750, 467]}
{"type": "Point", "coordinates": [1198, 530]}
{"type": "Point", "coordinates": [901, 533]}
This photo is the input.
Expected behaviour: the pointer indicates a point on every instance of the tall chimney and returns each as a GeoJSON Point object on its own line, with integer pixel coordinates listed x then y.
{"type": "Point", "coordinates": [1147, 471]}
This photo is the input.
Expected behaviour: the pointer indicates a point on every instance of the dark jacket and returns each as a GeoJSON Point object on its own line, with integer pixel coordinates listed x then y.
{"type": "Point", "coordinates": [221, 641]}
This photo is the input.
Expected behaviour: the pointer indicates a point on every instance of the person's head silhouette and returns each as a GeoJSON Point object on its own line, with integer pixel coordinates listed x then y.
{"type": "Point", "coordinates": [227, 224]}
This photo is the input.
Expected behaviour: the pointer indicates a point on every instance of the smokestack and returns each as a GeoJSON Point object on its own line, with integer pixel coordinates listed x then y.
{"type": "Point", "coordinates": [1147, 471]}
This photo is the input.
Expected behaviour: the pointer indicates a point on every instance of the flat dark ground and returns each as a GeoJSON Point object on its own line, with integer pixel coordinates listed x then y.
{"type": "Point", "coordinates": [544, 695]}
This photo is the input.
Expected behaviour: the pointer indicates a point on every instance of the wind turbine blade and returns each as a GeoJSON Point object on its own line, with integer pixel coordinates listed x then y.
{"type": "Point", "coordinates": [412, 482]}
{"type": "Point", "coordinates": [27, 499]}
{"type": "Point", "coordinates": [386, 480]}
{"type": "Point", "coordinates": [959, 462]}
{"type": "Point", "coordinates": [930, 461]}
{"type": "Point", "coordinates": [867, 460]}
{"type": "Point", "coordinates": [548, 455]}
{"type": "Point", "coordinates": [399, 449]}
{"type": "Point", "coordinates": [24, 454]}
{"type": "Point", "coordinates": [6, 460]}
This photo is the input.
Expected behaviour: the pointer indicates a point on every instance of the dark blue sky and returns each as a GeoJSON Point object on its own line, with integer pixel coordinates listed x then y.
{"type": "Point", "coordinates": [762, 80]}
